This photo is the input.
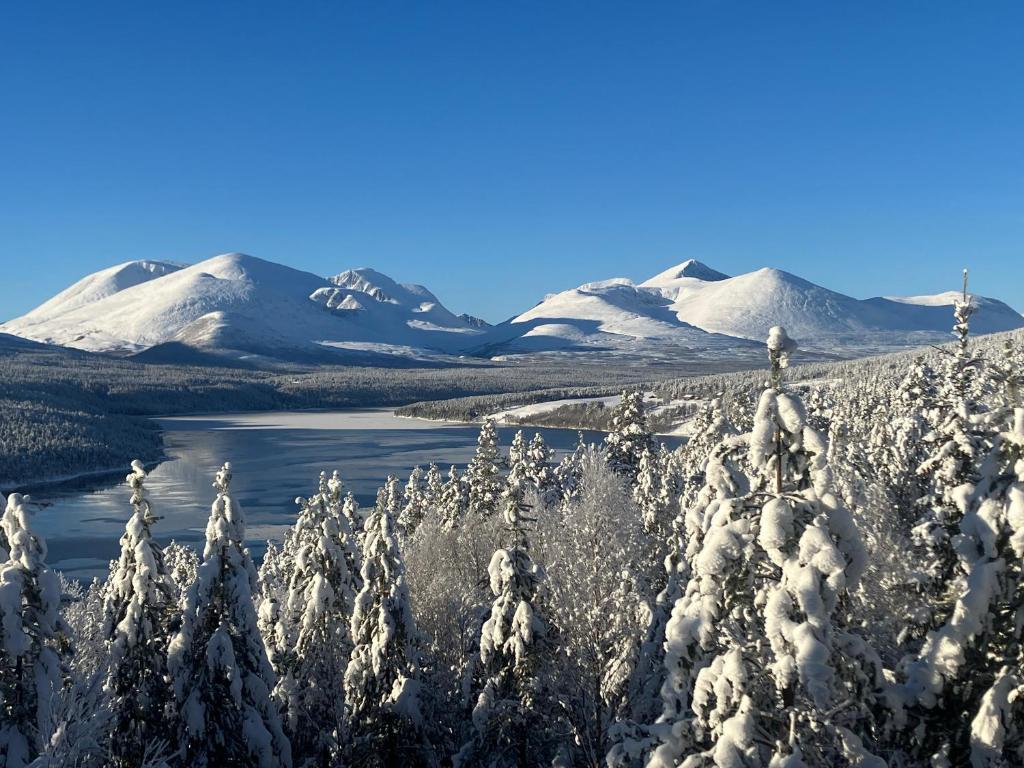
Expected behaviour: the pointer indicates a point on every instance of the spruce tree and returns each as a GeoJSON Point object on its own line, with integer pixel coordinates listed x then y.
{"type": "Point", "coordinates": [958, 444]}
{"type": "Point", "coordinates": [221, 675]}
{"type": "Point", "coordinates": [381, 681]}
{"type": "Point", "coordinates": [140, 605]}
{"type": "Point", "coordinates": [763, 668]}
{"type": "Point", "coordinates": [483, 477]}
{"type": "Point", "coordinates": [509, 722]}
{"type": "Point", "coordinates": [434, 489]}
{"type": "Point", "coordinates": [960, 688]}
{"type": "Point", "coordinates": [647, 491]}
{"type": "Point", "coordinates": [539, 469]}
{"type": "Point", "coordinates": [453, 503]}
{"type": "Point", "coordinates": [32, 640]}
{"type": "Point", "coordinates": [314, 618]}
{"type": "Point", "coordinates": [629, 436]}
{"type": "Point", "coordinates": [416, 503]}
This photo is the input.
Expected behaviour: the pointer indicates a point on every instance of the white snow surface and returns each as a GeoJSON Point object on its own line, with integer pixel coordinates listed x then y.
{"type": "Point", "coordinates": [245, 307]}
{"type": "Point", "coordinates": [239, 302]}
{"type": "Point", "coordinates": [691, 301]}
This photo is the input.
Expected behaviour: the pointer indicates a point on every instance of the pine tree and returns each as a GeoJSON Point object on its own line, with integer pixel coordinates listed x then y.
{"type": "Point", "coordinates": [32, 640]}
{"type": "Point", "coordinates": [381, 681]}
{"type": "Point", "coordinates": [355, 516]}
{"type": "Point", "coordinates": [482, 475]}
{"type": "Point", "coordinates": [647, 493]}
{"type": "Point", "coordinates": [434, 487]}
{"type": "Point", "coordinates": [539, 470]}
{"type": "Point", "coordinates": [959, 688]}
{"type": "Point", "coordinates": [770, 670]}
{"type": "Point", "coordinates": [710, 428]}
{"type": "Point", "coordinates": [416, 503]}
{"type": "Point", "coordinates": [569, 471]}
{"type": "Point", "coordinates": [630, 435]}
{"type": "Point", "coordinates": [516, 479]}
{"type": "Point", "coordinates": [900, 446]}
{"type": "Point", "coordinates": [453, 502]}
{"type": "Point", "coordinates": [660, 684]}
{"type": "Point", "coordinates": [509, 721]}
{"type": "Point", "coordinates": [220, 671]}
{"type": "Point", "coordinates": [140, 604]}
{"type": "Point", "coordinates": [517, 458]}
{"type": "Point", "coordinates": [952, 469]}
{"type": "Point", "coordinates": [182, 564]}
{"type": "Point", "coordinates": [314, 623]}
{"type": "Point", "coordinates": [390, 497]}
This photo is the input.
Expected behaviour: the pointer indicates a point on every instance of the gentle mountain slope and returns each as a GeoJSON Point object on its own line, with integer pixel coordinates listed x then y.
{"type": "Point", "coordinates": [239, 309]}
{"type": "Point", "coordinates": [100, 285]}
{"type": "Point", "coordinates": [238, 304]}
{"type": "Point", "coordinates": [689, 303]}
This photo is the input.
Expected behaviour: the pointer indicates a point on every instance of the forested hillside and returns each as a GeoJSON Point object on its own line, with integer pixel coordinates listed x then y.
{"type": "Point", "coordinates": [826, 574]}
{"type": "Point", "coordinates": [64, 412]}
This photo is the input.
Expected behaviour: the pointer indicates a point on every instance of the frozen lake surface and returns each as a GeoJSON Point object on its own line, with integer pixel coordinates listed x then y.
{"type": "Point", "coordinates": [275, 456]}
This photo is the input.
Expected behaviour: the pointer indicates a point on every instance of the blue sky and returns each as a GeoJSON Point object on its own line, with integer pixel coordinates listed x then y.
{"type": "Point", "coordinates": [499, 151]}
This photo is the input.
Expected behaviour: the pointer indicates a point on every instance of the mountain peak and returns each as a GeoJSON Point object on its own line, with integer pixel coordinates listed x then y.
{"type": "Point", "coordinates": [690, 268]}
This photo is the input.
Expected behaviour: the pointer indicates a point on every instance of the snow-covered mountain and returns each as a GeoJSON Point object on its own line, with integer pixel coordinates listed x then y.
{"type": "Point", "coordinates": [236, 305]}
{"type": "Point", "coordinates": [692, 303]}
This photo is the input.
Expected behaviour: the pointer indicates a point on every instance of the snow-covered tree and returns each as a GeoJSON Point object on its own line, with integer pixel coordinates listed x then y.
{"type": "Point", "coordinates": [899, 445]}
{"type": "Point", "coordinates": [434, 486]}
{"type": "Point", "coordinates": [32, 639]}
{"type": "Point", "coordinates": [569, 471]}
{"type": "Point", "coordinates": [630, 435]}
{"type": "Point", "coordinates": [539, 470]}
{"type": "Point", "coordinates": [221, 675]}
{"type": "Point", "coordinates": [510, 721]}
{"type": "Point", "coordinates": [669, 655]}
{"type": "Point", "coordinates": [709, 429]}
{"type": "Point", "coordinates": [140, 605]}
{"type": "Point", "coordinates": [83, 614]}
{"type": "Point", "coordinates": [517, 454]}
{"type": "Point", "coordinates": [453, 502]}
{"type": "Point", "coordinates": [381, 682]}
{"type": "Point", "coordinates": [483, 476]}
{"type": "Point", "coordinates": [958, 443]}
{"type": "Point", "coordinates": [758, 649]}
{"type": "Point", "coordinates": [182, 563]}
{"type": "Point", "coordinates": [390, 497]}
{"type": "Point", "coordinates": [352, 512]}
{"type": "Point", "coordinates": [416, 503]}
{"type": "Point", "coordinates": [964, 687]}
{"type": "Point", "coordinates": [598, 552]}
{"type": "Point", "coordinates": [313, 623]}
{"type": "Point", "coordinates": [647, 493]}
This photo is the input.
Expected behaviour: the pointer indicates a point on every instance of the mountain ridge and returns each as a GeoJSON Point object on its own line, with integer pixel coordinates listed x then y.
{"type": "Point", "coordinates": [239, 307]}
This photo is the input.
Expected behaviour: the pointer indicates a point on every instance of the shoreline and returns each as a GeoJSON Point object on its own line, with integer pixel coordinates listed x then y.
{"type": "Point", "coordinates": [32, 484]}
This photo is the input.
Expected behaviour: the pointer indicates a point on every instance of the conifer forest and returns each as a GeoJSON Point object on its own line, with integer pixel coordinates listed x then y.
{"type": "Point", "coordinates": [827, 573]}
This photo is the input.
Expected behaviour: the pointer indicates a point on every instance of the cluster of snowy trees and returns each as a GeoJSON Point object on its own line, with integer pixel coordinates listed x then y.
{"type": "Point", "coordinates": [821, 576]}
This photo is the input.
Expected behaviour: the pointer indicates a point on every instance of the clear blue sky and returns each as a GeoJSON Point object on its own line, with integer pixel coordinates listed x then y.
{"type": "Point", "coordinates": [496, 151]}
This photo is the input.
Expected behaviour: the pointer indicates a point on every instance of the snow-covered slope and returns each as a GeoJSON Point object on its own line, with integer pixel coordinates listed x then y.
{"type": "Point", "coordinates": [241, 307]}
{"type": "Point", "coordinates": [692, 303]}
{"type": "Point", "coordinates": [240, 304]}
{"type": "Point", "coordinates": [98, 286]}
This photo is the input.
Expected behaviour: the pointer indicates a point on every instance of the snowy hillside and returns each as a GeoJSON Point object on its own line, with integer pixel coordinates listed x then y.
{"type": "Point", "coordinates": [100, 285]}
{"type": "Point", "coordinates": [692, 303]}
{"type": "Point", "coordinates": [238, 305]}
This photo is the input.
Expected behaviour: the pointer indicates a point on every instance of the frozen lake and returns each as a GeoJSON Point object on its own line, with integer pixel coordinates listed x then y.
{"type": "Point", "coordinates": [275, 456]}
